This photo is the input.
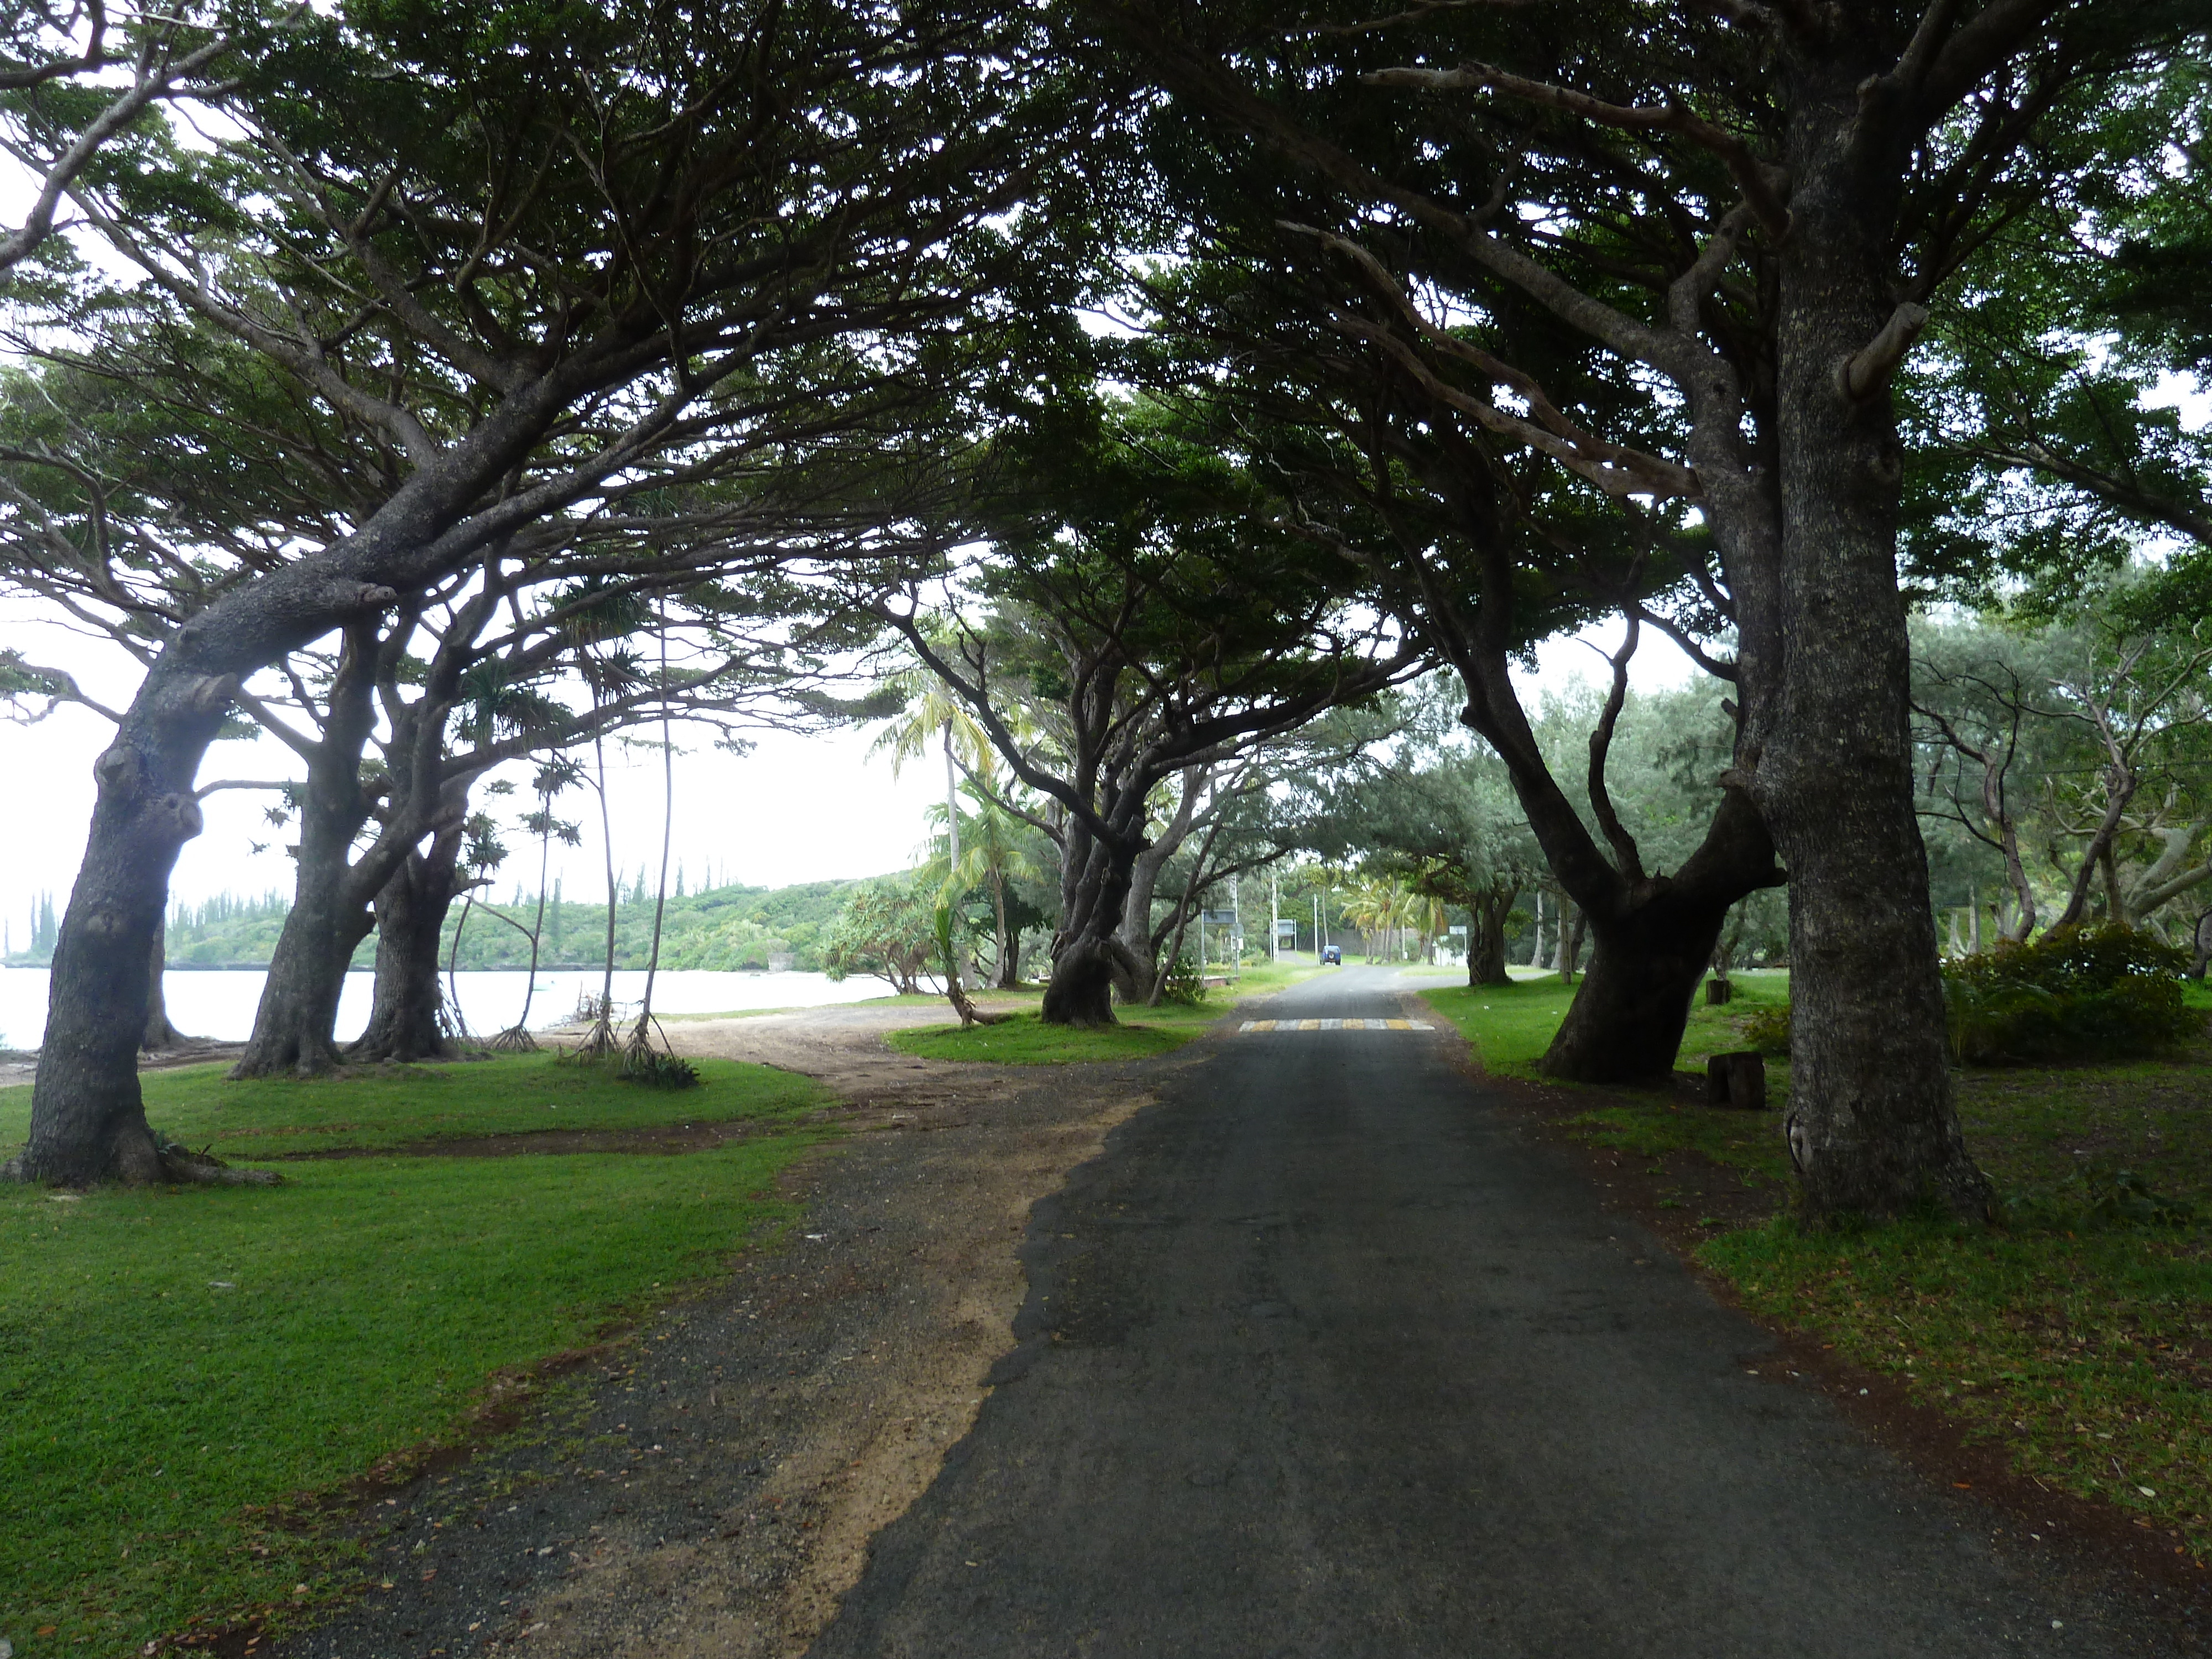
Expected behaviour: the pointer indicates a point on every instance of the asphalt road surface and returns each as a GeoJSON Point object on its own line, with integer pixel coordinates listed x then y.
{"type": "Point", "coordinates": [1324, 1357]}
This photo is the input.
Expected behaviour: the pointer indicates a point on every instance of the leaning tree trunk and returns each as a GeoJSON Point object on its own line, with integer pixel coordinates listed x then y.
{"type": "Point", "coordinates": [88, 1117]}
{"type": "Point", "coordinates": [405, 1021]}
{"type": "Point", "coordinates": [1626, 1021]}
{"type": "Point", "coordinates": [1871, 1125]}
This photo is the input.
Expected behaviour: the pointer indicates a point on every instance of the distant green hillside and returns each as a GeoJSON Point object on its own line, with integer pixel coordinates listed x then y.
{"type": "Point", "coordinates": [723, 928]}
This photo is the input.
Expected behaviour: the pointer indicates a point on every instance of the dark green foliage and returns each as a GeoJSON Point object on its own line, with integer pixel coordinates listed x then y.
{"type": "Point", "coordinates": [2076, 994]}
{"type": "Point", "coordinates": [886, 928]}
{"type": "Point", "coordinates": [657, 1068]}
{"type": "Point", "coordinates": [725, 929]}
{"type": "Point", "coordinates": [1767, 1030]}
{"type": "Point", "coordinates": [2121, 1198]}
{"type": "Point", "coordinates": [1183, 983]}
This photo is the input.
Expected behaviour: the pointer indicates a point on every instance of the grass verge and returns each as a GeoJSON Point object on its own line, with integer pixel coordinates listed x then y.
{"type": "Point", "coordinates": [182, 1369]}
{"type": "Point", "coordinates": [2077, 1337]}
{"type": "Point", "coordinates": [398, 1105]}
{"type": "Point", "coordinates": [1026, 1040]}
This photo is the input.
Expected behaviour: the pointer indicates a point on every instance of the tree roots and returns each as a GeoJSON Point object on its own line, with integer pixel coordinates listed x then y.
{"type": "Point", "coordinates": [154, 1160]}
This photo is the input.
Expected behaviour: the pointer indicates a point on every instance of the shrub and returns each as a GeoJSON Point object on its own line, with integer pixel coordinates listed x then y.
{"type": "Point", "coordinates": [1767, 1029]}
{"type": "Point", "coordinates": [1185, 984]}
{"type": "Point", "coordinates": [2106, 992]}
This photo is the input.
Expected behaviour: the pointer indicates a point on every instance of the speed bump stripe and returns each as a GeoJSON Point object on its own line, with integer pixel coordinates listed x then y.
{"type": "Point", "coordinates": [1335, 1025]}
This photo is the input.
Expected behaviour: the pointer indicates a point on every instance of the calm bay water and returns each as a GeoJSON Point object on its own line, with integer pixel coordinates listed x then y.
{"type": "Point", "coordinates": [220, 1005]}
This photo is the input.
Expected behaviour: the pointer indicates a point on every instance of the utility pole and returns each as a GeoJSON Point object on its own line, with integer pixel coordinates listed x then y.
{"type": "Point", "coordinates": [1274, 918]}
{"type": "Point", "coordinates": [1236, 928]}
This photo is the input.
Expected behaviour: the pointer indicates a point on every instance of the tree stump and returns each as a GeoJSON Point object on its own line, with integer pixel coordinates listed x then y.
{"type": "Point", "coordinates": [1718, 991]}
{"type": "Point", "coordinates": [1738, 1080]}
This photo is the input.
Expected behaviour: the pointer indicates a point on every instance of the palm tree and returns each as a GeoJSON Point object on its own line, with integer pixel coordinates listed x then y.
{"type": "Point", "coordinates": [482, 851]}
{"type": "Point", "coordinates": [991, 858]}
{"type": "Point", "coordinates": [931, 710]}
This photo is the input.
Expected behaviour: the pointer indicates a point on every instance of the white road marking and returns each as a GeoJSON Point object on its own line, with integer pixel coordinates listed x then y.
{"type": "Point", "coordinates": [1336, 1025]}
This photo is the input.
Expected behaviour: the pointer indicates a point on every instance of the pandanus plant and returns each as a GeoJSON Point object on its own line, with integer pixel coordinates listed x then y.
{"type": "Point", "coordinates": [600, 617]}
{"type": "Point", "coordinates": [557, 773]}
{"type": "Point", "coordinates": [641, 1061]}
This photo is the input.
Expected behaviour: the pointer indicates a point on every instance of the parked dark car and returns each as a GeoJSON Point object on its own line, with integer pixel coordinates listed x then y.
{"type": "Point", "coordinates": [1332, 953]}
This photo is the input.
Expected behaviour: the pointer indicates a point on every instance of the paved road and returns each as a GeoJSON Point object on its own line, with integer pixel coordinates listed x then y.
{"type": "Point", "coordinates": [1323, 1358]}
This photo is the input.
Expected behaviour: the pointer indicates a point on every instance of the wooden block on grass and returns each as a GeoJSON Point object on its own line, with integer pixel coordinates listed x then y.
{"type": "Point", "coordinates": [1737, 1079]}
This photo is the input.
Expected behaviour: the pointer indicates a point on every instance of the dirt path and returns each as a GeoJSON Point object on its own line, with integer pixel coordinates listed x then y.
{"type": "Point", "coordinates": [708, 1485]}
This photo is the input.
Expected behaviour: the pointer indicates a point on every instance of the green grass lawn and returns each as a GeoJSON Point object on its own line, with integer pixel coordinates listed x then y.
{"type": "Point", "coordinates": [262, 1117]}
{"type": "Point", "coordinates": [1026, 1040]}
{"type": "Point", "coordinates": [174, 1363]}
{"type": "Point", "coordinates": [2079, 1342]}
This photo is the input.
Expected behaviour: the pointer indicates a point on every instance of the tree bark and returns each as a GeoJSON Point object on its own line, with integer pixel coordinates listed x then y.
{"type": "Point", "coordinates": [1626, 1023]}
{"type": "Point", "coordinates": [1486, 938]}
{"type": "Point", "coordinates": [295, 1028]}
{"type": "Point", "coordinates": [1871, 1126]}
{"type": "Point", "coordinates": [1136, 930]}
{"type": "Point", "coordinates": [1089, 956]}
{"type": "Point", "coordinates": [160, 1034]}
{"type": "Point", "coordinates": [406, 1023]}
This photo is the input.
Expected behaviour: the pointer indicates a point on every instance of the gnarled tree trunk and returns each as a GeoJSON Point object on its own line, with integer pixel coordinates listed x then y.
{"type": "Point", "coordinates": [1088, 954]}
{"type": "Point", "coordinates": [405, 1021]}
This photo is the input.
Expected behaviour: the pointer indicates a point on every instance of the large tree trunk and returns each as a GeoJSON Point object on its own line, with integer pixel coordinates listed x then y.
{"type": "Point", "coordinates": [1625, 1023]}
{"type": "Point", "coordinates": [1136, 928]}
{"type": "Point", "coordinates": [88, 1119]}
{"type": "Point", "coordinates": [1871, 1126]}
{"type": "Point", "coordinates": [1089, 956]}
{"type": "Point", "coordinates": [1486, 941]}
{"type": "Point", "coordinates": [294, 1027]}
{"type": "Point", "coordinates": [405, 1022]}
